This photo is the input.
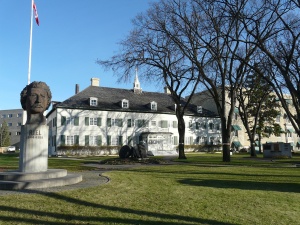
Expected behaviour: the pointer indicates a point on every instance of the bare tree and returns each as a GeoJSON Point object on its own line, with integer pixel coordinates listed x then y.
{"type": "Point", "coordinates": [187, 42]}
{"type": "Point", "coordinates": [151, 47]}
{"type": "Point", "coordinates": [212, 46]}
{"type": "Point", "coordinates": [275, 30]}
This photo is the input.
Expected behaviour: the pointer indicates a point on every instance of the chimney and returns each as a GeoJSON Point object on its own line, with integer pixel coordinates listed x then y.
{"type": "Point", "coordinates": [76, 89]}
{"type": "Point", "coordinates": [167, 91]}
{"type": "Point", "coordinates": [95, 82]}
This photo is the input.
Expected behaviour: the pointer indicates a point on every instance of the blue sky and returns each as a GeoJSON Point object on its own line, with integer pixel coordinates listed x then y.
{"type": "Point", "coordinates": [72, 35]}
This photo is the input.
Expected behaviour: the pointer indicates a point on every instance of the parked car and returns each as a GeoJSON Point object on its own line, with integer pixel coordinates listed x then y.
{"type": "Point", "coordinates": [11, 148]}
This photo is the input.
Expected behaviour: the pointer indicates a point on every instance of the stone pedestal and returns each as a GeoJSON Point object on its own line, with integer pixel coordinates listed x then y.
{"type": "Point", "coordinates": [33, 161]}
{"type": "Point", "coordinates": [34, 148]}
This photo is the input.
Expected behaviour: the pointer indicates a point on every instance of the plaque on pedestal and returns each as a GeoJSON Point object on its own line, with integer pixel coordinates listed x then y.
{"type": "Point", "coordinates": [34, 148]}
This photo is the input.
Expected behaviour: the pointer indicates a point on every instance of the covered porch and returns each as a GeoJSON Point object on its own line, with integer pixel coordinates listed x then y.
{"type": "Point", "coordinates": [158, 143]}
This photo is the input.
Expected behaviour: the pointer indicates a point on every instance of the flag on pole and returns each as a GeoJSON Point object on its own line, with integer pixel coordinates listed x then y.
{"type": "Point", "coordinates": [36, 16]}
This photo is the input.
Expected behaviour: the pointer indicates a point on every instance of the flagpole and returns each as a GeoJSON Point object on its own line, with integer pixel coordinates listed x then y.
{"type": "Point", "coordinates": [30, 43]}
{"type": "Point", "coordinates": [29, 58]}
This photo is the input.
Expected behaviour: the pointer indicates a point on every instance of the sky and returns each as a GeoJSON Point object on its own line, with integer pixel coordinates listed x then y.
{"type": "Point", "coordinates": [71, 36]}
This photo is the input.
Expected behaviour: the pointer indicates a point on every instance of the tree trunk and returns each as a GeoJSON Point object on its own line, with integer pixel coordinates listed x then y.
{"type": "Point", "coordinates": [181, 133]}
{"type": "Point", "coordinates": [226, 152]}
{"type": "Point", "coordinates": [259, 143]}
{"type": "Point", "coordinates": [226, 143]}
{"type": "Point", "coordinates": [252, 147]}
{"type": "Point", "coordinates": [252, 150]}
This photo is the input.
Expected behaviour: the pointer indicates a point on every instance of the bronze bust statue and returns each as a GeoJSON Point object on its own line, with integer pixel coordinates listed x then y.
{"type": "Point", "coordinates": [36, 99]}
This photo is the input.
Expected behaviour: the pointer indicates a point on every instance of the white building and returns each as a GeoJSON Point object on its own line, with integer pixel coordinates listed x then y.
{"type": "Point", "coordinates": [102, 119]}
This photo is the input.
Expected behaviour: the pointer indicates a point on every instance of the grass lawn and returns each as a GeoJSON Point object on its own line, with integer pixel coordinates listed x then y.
{"type": "Point", "coordinates": [199, 190]}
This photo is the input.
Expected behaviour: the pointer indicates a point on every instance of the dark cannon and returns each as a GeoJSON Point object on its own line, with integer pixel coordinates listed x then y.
{"type": "Point", "coordinates": [130, 152]}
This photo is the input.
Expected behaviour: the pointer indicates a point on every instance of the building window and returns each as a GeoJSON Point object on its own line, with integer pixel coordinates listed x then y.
{"type": "Point", "coordinates": [189, 140]}
{"type": "Point", "coordinates": [90, 121]}
{"type": "Point", "coordinates": [93, 101]}
{"type": "Point", "coordinates": [108, 140]}
{"type": "Point", "coordinates": [95, 140]}
{"type": "Point", "coordinates": [199, 109]}
{"type": "Point", "coordinates": [118, 122]}
{"type": "Point", "coordinates": [115, 122]}
{"type": "Point", "coordinates": [201, 140]}
{"type": "Point", "coordinates": [235, 116]}
{"type": "Point", "coordinates": [54, 122]}
{"type": "Point", "coordinates": [63, 120]}
{"type": "Point", "coordinates": [129, 123]}
{"type": "Point", "coordinates": [164, 124]}
{"type": "Point", "coordinates": [236, 133]}
{"type": "Point", "coordinates": [125, 104]}
{"type": "Point", "coordinates": [70, 140]}
{"type": "Point", "coordinates": [93, 121]}
{"type": "Point", "coordinates": [235, 113]}
{"type": "Point", "coordinates": [18, 133]}
{"type": "Point", "coordinates": [3, 116]}
{"type": "Point", "coordinates": [9, 124]}
{"type": "Point", "coordinates": [289, 132]}
{"type": "Point", "coordinates": [19, 115]}
{"type": "Point", "coordinates": [153, 106]}
{"type": "Point", "coordinates": [175, 140]}
{"type": "Point", "coordinates": [129, 140]}
{"type": "Point", "coordinates": [67, 121]}
{"type": "Point", "coordinates": [116, 140]}
{"type": "Point", "coordinates": [9, 115]}
{"type": "Point", "coordinates": [211, 126]}
{"type": "Point", "coordinates": [120, 140]}
{"type": "Point", "coordinates": [141, 123]}
{"type": "Point", "coordinates": [70, 121]}
{"type": "Point", "coordinates": [19, 124]}
{"type": "Point", "coordinates": [153, 123]}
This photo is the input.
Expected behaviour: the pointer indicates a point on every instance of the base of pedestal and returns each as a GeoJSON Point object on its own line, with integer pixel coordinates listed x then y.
{"type": "Point", "coordinates": [14, 180]}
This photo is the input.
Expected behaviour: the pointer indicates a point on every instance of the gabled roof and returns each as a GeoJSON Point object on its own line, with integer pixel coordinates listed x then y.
{"type": "Point", "coordinates": [109, 100]}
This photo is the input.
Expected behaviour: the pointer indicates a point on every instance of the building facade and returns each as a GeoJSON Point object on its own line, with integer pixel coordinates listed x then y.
{"type": "Point", "coordinates": [100, 117]}
{"type": "Point", "coordinates": [239, 137]}
{"type": "Point", "coordinates": [14, 120]}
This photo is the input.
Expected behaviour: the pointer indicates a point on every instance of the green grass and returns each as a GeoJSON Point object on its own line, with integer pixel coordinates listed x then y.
{"type": "Point", "coordinates": [202, 190]}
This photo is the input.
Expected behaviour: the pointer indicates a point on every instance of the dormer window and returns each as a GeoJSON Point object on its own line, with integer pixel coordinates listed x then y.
{"type": "Point", "coordinates": [125, 104]}
{"type": "Point", "coordinates": [153, 106]}
{"type": "Point", "coordinates": [93, 101]}
{"type": "Point", "coordinates": [199, 109]}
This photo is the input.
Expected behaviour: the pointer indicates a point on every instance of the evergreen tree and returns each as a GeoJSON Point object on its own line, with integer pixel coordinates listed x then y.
{"type": "Point", "coordinates": [258, 110]}
{"type": "Point", "coordinates": [4, 135]}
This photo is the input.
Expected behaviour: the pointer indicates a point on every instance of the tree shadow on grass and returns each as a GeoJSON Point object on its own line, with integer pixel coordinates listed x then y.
{"type": "Point", "coordinates": [244, 185]}
{"type": "Point", "coordinates": [74, 219]}
{"type": "Point", "coordinates": [219, 172]}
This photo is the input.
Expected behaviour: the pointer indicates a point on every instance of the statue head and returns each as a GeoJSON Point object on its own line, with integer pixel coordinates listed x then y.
{"type": "Point", "coordinates": [35, 98]}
